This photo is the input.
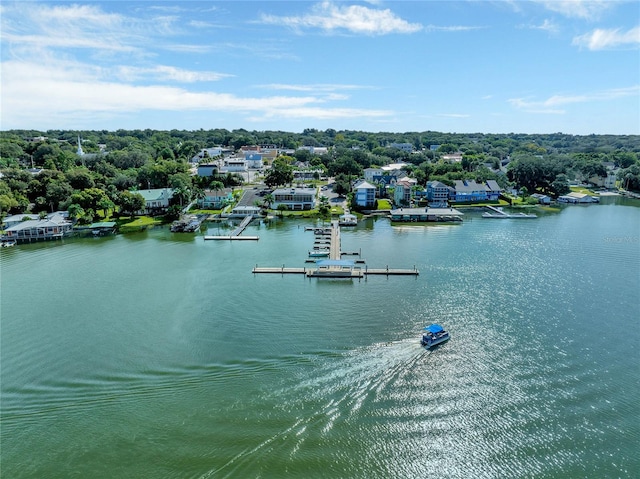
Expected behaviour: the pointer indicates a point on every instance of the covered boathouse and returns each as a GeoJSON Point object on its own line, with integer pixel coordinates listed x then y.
{"type": "Point", "coordinates": [406, 215]}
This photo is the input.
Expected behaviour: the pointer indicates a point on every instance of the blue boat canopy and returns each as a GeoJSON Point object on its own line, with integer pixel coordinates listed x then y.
{"type": "Point", "coordinates": [434, 328]}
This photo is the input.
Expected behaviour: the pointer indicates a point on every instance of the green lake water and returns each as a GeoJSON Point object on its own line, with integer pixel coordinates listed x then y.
{"type": "Point", "coordinates": [160, 355]}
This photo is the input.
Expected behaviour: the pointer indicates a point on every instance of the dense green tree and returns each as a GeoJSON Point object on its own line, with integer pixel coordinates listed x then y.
{"type": "Point", "coordinates": [79, 178]}
{"type": "Point", "coordinates": [278, 175]}
{"type": "Point", "coordinates": [130, 202]}
{"type": "Point", "coordinates": [560, 186]}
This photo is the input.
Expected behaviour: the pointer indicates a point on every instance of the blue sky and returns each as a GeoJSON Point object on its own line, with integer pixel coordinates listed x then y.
{"type": "Point", "coordinates": [450, 66]}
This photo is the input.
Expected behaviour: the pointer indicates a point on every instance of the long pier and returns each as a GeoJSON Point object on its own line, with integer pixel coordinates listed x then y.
{"type": "Point", "coordinates": [327, 244]}
{"type": "Point", "coordinates": [235, 234]}
{"type": "Point", "coordinates": [352, 273]}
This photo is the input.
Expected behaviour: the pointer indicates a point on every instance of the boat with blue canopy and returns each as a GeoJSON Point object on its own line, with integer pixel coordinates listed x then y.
{"type": "Point", "coordinates": [434, 335]}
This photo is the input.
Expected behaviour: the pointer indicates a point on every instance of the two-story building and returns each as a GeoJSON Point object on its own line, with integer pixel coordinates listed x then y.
{"type": "Point", "coordinates": [467, 191]}
{"type": "Point", "coordinates": [156, 200]}
{"type": "Point", "coordinates": [215, 199]}
{"type": "Point", "coordinates": [296, 199]}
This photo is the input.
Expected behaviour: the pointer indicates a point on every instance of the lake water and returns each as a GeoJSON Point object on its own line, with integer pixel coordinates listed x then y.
{"type": "Point", "coordinates": [160, 355]}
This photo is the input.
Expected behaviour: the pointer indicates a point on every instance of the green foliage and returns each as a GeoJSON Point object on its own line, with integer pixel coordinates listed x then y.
{"type": "Point", "coordinates": [280, 174]}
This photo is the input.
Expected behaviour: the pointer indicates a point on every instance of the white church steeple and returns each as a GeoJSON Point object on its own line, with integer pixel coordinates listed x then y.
{"type": "Point", "coordinates": [79, 152]}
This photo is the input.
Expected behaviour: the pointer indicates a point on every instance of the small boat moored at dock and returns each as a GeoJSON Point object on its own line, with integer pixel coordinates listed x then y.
{"type": "Point", "coordinates": [434, 335]}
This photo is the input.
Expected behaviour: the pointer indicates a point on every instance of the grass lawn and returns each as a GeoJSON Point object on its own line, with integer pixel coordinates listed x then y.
{"type": "Point", "coordinates": [582, 189]}
{"type": "Point", "coordinates": [140, 223]}
{"type": "Point", "coordinates": [384, 204]}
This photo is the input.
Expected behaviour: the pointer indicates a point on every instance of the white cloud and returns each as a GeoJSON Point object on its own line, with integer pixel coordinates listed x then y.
{"type": "Point", "coordinates": [37, 94]}
{"type": "Point", "coordinates": [452, 28]}
{"type": "Point", "coordinates": [546, 26]}
{"type": "Point", "coordinates": [555, 103]}
{"type": "Point", "coordinates": [602, 39]}
{"type": "Point", "coordinates": [71, 26]}
{"type": "Point", "coordinates": [168, 73]}
{"type": "Point", "coordinates": [318, 87]}
{"type": "Point", "coordinates": [353, 18]}
{"type": "Point", "coordinates": [585, 9]}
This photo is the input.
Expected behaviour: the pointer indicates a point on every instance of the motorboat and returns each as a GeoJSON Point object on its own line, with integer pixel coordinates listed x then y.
{"type": "Point", "coordinates": [319, 253]}
{"type": "Point", "coordinates": [434, 335]}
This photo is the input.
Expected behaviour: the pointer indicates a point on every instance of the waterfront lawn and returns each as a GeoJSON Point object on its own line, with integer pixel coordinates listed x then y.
{"type": "Point", "coordinates": [140, 223]}
{"type": "Point", "coordinates": [384, 204]}
{"type": "Point", "coordinates": [582, 189]}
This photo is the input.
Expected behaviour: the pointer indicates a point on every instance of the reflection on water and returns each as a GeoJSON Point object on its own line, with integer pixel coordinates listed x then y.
{"type": "Point", "coordinates": [153, 356]}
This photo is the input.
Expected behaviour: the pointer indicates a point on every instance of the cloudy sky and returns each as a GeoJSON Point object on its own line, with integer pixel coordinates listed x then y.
{"type": "Point", "coordinates": [452, 66]}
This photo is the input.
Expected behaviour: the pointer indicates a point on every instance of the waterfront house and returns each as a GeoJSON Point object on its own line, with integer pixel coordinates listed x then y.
{"type": "Point", "coordinates": [55, 226]}
{"type": "Point", "coordinates": [13, 220]}
{"type": "Point", "coordinates": [577, 198]}
{"type": "Point", "coordinates": [365, 194]}
{"type": "Point", "coordinates": [242, 211]}
{"type": "Point", "coordinates": [438, 194]}
{"type": "Point", "coordinates": [467, 191]}
{"type": "Point", "coordinates": [297, 199]}
{"type": "Point", "coordinates": [402, 193]}
{"type": "Point", "coordinates": [493, 190]}
{"type": "Point", "coordinates": [542, 199]}
{"type": "Point", "coordinates": [156, 200]}
{"type": "Point", "coordinates": [215, 199]}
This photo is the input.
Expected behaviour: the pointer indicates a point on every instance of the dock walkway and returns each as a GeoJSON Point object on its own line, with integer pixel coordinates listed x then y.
{"type": "Point", "coordinates": [328, 244]}
{"type": "Point", "coordinates": [235, 234]}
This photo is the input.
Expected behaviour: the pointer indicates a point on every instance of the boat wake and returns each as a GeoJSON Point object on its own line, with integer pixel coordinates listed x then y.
{"type": "Point", "coordinates": [339, 386]}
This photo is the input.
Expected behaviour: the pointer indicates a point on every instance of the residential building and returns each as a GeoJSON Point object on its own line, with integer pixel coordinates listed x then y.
{"type": "Point", "coordinates": [253, 159]}
{"type": "Point", "coordinates": [365, 194]}
{"type": "Point", "coordinates": [13, 220]}
{"type": "Point", "coordinates": [296, 199]}
{"type": "Point", "coordinates": [235, 164]}
{"type": "Point", "coordinates": [156, 200]}
{"type": "Point", "coordinates": [577, 198]}
{"type": "Point", "coordinates": [208, 169]}
{"type": "Point", "coordinates": [307, 174]}
{"type": "Point", "coordinates": [493, 190]}
{"type": "Point", "coordinates": [55, 226]}
{"type": "Point", "coordinates": [542, 199]}
{"type": "Point", "coordinates": [408, 147]}
{"type": "Point", "coordinates": [438, 194]}
{"type": "Point", "coordinates": [402, 193]}
{"type": "Point", "coordinates": [468, 190]}
{"type": "Point", "coordinates": [372, 175]}
{"type": "Point", "coordinates": [215, 199]}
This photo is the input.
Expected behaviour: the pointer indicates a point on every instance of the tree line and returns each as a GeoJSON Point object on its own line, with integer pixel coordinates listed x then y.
{"type": "Point", "coordinates": [121, 161]}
